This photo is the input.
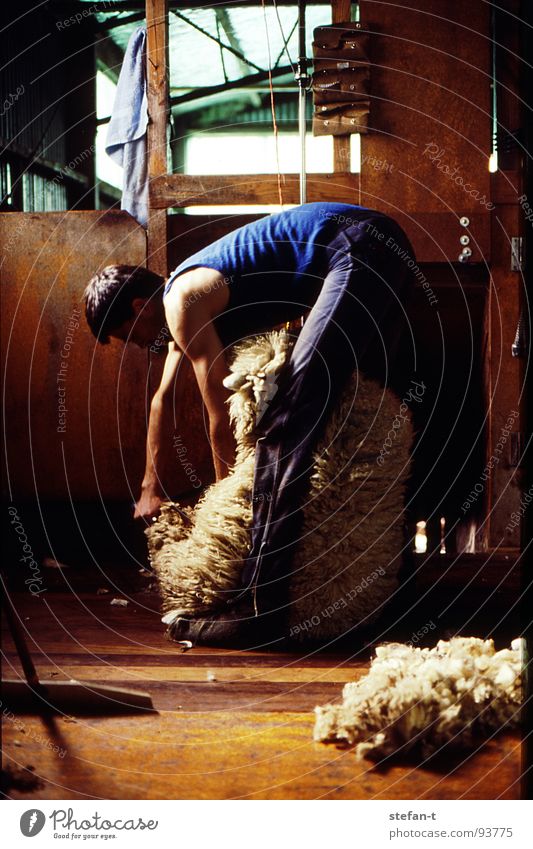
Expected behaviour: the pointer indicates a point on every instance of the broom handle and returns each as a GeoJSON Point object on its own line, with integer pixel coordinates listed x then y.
{"type": "Point", "coordinates": [19, 639]}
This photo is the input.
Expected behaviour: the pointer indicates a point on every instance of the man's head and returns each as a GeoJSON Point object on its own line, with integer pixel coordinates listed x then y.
{"type": "Point", "coordinates": [125, 301]}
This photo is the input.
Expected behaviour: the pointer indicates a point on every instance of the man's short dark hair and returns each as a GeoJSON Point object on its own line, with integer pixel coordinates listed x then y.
{"type": "Point", "coordinates": [110, 294]}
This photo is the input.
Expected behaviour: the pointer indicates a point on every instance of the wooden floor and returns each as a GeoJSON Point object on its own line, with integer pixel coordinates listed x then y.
{"type": "Point", "coordinates": [227, 724]}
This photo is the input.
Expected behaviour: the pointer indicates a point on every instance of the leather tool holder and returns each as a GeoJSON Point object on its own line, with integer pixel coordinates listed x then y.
{"type": "Point", "coordinates": [340, 119]}
{"type": "Point", "coordinates": [347, 85]}
{"type": "Point", "coordinates": [341, 79]}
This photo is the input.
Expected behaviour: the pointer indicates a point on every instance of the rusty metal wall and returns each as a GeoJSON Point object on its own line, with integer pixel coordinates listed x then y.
{"type": "Point", "coordinates": [74, 410]}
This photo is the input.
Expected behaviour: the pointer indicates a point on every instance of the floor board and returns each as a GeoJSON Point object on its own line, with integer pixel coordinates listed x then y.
{"type": "Point", "coordinates": [227, 725]}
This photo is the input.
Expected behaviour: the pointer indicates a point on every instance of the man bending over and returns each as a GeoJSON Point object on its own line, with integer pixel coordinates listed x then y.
{"type": "Point", "coordinates": [349, 267]}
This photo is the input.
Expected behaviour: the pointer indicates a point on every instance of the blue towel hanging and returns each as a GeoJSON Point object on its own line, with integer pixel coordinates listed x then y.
{"type": "Point", "coordinates": [126, 141]}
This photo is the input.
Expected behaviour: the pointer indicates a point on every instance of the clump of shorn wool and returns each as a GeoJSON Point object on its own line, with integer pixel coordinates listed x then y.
{"type": "Point", "coordinates": [422, 698]}
{"type": "Point", "coordinates": [346, 562]}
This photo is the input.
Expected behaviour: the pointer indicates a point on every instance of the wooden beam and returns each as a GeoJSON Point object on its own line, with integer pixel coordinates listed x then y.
{"type": "Point", "coordinates": [157, 65]}
{"type": "Point", "coordinates": [70, 7]}
{"type": "Point", "coordinates": [341, 11]}
{"type": "Point", "coordinates": [186, 190]}
{"type": "Point", "coordinates": [504, 385]}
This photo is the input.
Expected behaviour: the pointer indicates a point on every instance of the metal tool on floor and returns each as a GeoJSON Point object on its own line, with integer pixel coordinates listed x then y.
{"type": "Point", "coordinates": [61, 696]}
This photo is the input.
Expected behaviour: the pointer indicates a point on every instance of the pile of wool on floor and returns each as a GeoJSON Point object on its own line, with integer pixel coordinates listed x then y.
{"type": "Point", "coordinates": [457, 692]}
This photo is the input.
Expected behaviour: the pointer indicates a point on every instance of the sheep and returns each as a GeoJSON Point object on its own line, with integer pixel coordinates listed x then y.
{"type": "Point", "coordinates": [347, 559]}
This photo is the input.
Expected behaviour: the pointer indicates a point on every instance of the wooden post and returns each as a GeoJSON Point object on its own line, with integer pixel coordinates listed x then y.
{"type": "Point", "coordinates": [340, 12]}
{"type": "Point", "coordinates": [157, 76]}
{"type": "Point", "coordinates": [503, 380]}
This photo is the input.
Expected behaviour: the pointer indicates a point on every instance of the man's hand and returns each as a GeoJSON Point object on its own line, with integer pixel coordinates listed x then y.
{"type": "Point", "coordinates": [148, 505]}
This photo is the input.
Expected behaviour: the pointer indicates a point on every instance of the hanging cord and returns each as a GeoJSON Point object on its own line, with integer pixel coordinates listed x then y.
{"type": "Point", "coordinates": [273, 105]}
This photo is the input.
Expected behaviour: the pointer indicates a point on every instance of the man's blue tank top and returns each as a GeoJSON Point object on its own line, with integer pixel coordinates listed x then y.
{"type": "Point", "coordinates": [274, 266]}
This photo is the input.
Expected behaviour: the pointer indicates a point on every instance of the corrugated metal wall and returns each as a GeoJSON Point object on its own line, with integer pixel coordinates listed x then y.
{"type": "Point", "coordinates": [44, 86]}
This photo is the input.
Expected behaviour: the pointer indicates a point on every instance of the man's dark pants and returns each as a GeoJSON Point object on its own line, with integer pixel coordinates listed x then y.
{"type": "Point", "coordinates": [354, 321]}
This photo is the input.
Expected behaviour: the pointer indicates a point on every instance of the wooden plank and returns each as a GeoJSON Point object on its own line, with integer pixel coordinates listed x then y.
{"type": "Point", "coordinates": [189, 190]}
{"type": "Point", "coordinates": [506, 186]}
{"type": "Point", "coordinates": [157, 68]}
{"type": "Point", "coordinates": [342, 158]}
{"type": "Point", "coordinates": [226, 740]}
{"type": "Point", "coordinates": [503, 385]}
{"type": "Point", "coordinates": [69, 7]}
{"type": "Point", "coordinates": [190, 233]}
{"type": "Point", "coordinates": [61, 624]}
{"type": "Point", "coordinates": [235, 755]}
{"type": "Point", "coordinates": [504, 380]}
{"type": "Point", "coordinates": [341, 11]}
{"type": "Point", "coordinates": [179, 674]}
{"type": "Point", "coordinates": [495, 572]}
{"type": "Point", "coordinates": [198, 697]}
{"type": "Point", "coordinates": [434, 235]}
{"type": "Point", "coordinates": [430, 112]}
{"type": "Point", "coordinates": [165, 652]}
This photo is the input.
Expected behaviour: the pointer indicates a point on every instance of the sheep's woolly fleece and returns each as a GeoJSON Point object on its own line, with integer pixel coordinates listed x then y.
{"type": "Point", "coordinates": [346, 563]}
{"type": "Point", "coordinates": [455, 693]}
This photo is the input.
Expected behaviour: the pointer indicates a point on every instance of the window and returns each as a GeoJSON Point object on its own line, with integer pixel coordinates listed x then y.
{"type": "Point", "coordinates": [107, 171]}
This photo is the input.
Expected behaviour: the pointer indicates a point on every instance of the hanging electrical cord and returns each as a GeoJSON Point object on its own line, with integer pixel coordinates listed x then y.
{"type": "Point", "coordinates": [302, 78]}
{"type": "Point", "coordinates": [273, 105]}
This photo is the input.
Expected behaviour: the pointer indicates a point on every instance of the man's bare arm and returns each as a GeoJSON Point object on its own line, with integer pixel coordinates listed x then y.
{"type": "Point", "coordinates": [210, 369]}
{"type": "Point", "coordinates": [190, 310]}
{"type": "Point", "coordinates": [159, 427]}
